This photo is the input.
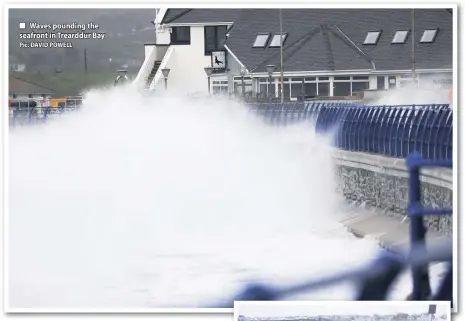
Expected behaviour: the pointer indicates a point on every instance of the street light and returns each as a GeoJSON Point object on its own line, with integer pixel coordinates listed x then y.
{"type": "Point", "coordinates": [208, 71]}
{"type": "Point", "coordinates": [122, 77]}
{"type": "Point", "coordinates": [243, 72]}
{"type": "Point", "coordinates": [270, 69]}
{"type": "Point", "coordinates": [165, 72]}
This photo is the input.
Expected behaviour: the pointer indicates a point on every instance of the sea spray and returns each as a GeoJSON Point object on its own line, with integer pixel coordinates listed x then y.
{"type": "Point", "coordinates": [156, 201]}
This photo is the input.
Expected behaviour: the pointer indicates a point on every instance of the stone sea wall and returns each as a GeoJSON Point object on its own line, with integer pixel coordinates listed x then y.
{"type": "Point", "coordinates": [382, 182]}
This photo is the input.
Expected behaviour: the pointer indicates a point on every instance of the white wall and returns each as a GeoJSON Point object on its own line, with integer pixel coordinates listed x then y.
{"type": "Point", "coordinates": [163, 36]}
{"type": "Point", "coordinates": [187, 64]}
{"type": "Point", "coordinates": [148, 50]}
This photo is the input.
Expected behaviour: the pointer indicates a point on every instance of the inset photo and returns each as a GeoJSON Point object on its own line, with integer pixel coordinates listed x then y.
{"type": "Point", "coordinates": [342, 311]}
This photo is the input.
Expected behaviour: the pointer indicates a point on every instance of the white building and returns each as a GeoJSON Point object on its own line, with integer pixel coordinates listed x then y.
{"type": "Point", "coordinates": [325, 52]}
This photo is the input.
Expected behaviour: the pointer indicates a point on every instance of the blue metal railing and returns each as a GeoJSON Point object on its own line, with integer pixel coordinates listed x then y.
{"type": "Point", "coordinates": [35, 115]}
{"type": "Point", "coordinates": [394, 131]}
{"type": "Point", "coordinates": [375, 279]}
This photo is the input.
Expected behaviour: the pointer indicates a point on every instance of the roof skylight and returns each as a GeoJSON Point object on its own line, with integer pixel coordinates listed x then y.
{"type": "Point", "coordinates": [276, 41]}
{"type": "Point", "coordinates": [429, 35]}
{"type": "Point", "coordinates": [372, 38]}
{"type": "Point", "coordinates": [261, 40]}
{"type": "Point", "coordinates": [400, 36]}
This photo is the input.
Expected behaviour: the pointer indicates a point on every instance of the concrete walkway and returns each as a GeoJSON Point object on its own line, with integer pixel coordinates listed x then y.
{"type": "Point", "coordinates": [387, 230]}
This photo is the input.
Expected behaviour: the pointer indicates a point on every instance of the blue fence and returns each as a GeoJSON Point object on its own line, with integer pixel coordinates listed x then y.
{"type": "Point", "coordinates": [375, 279]}
{"type": "Point", "coordinates": [20, 116]}
{"type": "Point", "coordinates": [395, 131]}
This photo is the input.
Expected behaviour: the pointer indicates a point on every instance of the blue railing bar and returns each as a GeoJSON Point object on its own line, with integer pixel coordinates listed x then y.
{"type": "Point", "coordinates": [421, 162]}
{"type": "Point", "coordinates": [420, 275]}
{"type": "Point", "coordinates": [419, 210]}
{"type": "Point", "coordinates": [438, 251]}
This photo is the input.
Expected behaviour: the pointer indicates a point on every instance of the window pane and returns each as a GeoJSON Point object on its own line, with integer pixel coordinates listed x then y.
{"type": "Point", "coordinates": [360, 77]}
{"type": "Point", "coordinates": [210, 39]}
{"type": "Point", "coordinates": [277, 40]}
{"type": "Point", "coordinates": [371, 38]}
{"type": "Point", "coordinates": [400, 36]}
{"type": "Point", "coordinates": [238, 87]}
{"type": "Point", "coordinates": [181, 34]}
{"type": "Point", "coordinates": [323, 78]}
{"type": "Point", "coordinates": [341, 89]}
{"type": "Point", "coordinates": [428, 35]}
{"type": "Point", "coordinates": [220, 37]}
{"type": "Point", "coordinates": [323, 89]}
{"type": "Point", "coordinates": [359, 86]}
{"type": "Point", "coordinates": [296, 89]}
{"type": "Point", "coordinates": [263, 88]}
{"type": "Point", "coordinates": [287, 91]}
{"type": "Point", "coordinates": [310, 79]}
{"type": "Point", "coordinates": [310, 90]}
{"type": "Point", "coordinates": [342, 78]}
{"type": "Point", "coordinates": [261, 40]}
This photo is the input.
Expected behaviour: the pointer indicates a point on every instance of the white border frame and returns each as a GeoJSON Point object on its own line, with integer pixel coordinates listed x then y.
{"type": "Point", "coordinates": [204, 4]}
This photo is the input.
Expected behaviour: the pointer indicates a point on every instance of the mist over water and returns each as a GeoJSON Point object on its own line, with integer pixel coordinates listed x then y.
{"type": "Point", "coordinates": [138, 201]}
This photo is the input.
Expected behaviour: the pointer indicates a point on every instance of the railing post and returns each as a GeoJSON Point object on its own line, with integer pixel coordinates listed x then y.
{"type": "Point", "coordinates": [420, 277]}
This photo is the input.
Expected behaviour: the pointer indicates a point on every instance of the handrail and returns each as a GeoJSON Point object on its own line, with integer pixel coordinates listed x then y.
{"type": "Point", "coordinates": [146, 68]}
{"type": "Point", "coordinates": [390, 130]}
{"type": "Point", "coordinates": [374, 279]}
{"type": "Point", "coordinates": [163, 64]}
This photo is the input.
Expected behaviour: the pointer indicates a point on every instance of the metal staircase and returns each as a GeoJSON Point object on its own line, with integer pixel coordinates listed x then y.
{"type": "Point", "coordinates": [152, 74]}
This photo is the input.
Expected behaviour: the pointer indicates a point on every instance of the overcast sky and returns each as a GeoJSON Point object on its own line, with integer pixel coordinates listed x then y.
{"type": "Point", "coordinates": [309, 308]}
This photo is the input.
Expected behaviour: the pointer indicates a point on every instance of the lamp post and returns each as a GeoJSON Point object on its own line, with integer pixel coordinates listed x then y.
{"type": "Point", "coordinates": [270, 69]}
{"type": "Point", "coordinates": [208, 71]}
{"type": "Point", "coordinates": [121, 78]}
{"type": "Point", "coordinates": [413, 48]}
{"type": "Point", "coordinates": [165, 72]}
{"type": "Point", "coordinates": [242, 72]}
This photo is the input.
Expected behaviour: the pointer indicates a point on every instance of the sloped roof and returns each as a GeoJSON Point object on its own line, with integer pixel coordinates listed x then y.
{"type": "Point", "coordinates": [317, 39]}
{"type": "Point", "coordinates": [200, 15]}
{"type": "Point", "coordinates": [19, 86]}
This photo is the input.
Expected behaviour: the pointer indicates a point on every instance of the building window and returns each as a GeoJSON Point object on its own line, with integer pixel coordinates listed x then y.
{"type": "Point", "coordinates": [276, 41]}
{"type": "Point", "coordinates": [220, 87]}
{"type": "Point", "coordinates": [30, 95]}
{"type": "Point", "coordinates": [297, 89]}
{"type": "Point", "coordinates": [264, 85]}
{"type": "Point", "coordinates": [215, 37]}
{"type": "Point", "coordinates": [341, 89]}
{"type": "Point", "coordinates": [238, 85]}
{"type": "Point", "coordinates": [316, 86]}
{"type": "Point", "coordinates": [349, 85]}
{"type": "Point", "coordinates": [372, 38]}
{"type": "Point", "coordinates": [323, 89]}
{"type": "Point", "coordinates": [358, 86]}
{"type": "Point", "coordinates": [181, 35]}
{"type": "Point", "coordinates": [261, 40]}
{"type": "Point", "coordinates": [400, 36]}
{"type": "Point", "coordinates": [429, 35]}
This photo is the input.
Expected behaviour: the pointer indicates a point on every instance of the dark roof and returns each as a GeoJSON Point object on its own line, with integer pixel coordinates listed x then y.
{"type": "Point", "coordinates": [317, 39]}
{"type": "Point", "coordinates": [20, 86]}
{"type": "Point", "coordinates": [200, 15]}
